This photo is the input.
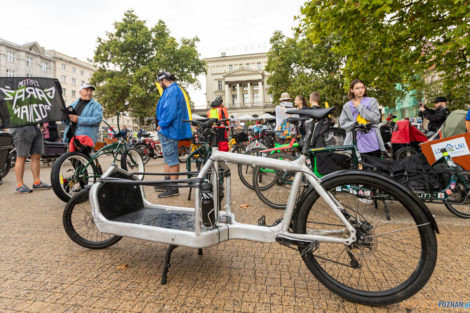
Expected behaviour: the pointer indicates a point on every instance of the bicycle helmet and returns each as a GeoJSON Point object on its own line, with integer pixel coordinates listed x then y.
{"type": "Point", "coordinates": [217, 102]}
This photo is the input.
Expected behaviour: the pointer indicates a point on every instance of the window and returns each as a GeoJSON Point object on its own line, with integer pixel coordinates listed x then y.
{"type": "Point", "coordinates": [240, 66]}
{"type": "Point", "coordinates": [256, 97]}
{"type": "Point", "coordinates": [44, 66]}
{"type": "Point", "coordinates": [258, 66]}
{"type": "Point", "coordinates": [234, 98]}
{"type": "Point", "coordinates": [29, 75]}
{"type": "Point", "coordinates": [64, 78]}
{"type": "Point", "coordinates": [73, 93]}
{"type": "Point", "coordinates": [230, 67]}
{"type": "Point", "coordinates": [82, 72]}
{"type": "Point", "coordinates": [64, 92]}
{"type": "Point", "coordinates": [10, 73]}
{"type": "Point", "coordinates": [246, 99]}
{"type": "Point", "coordinates": [74, 82]}
{"type": "Point", "coordinates": [234, 87]}
{"type": "Point", "coordinates": [11, 56]}
{"type": "Point", "coordinates": [29, 61]}
{"type": "Point", "coordinates": [82, 83]}
{"type": "Point", "coordinates": [73, 69]}
{"type": "Point", "coordinates": [64, 67]}
{"type": "Point", "coordinates": [219, 85]}
{"type": "Point", "coordinates": [247, 65]}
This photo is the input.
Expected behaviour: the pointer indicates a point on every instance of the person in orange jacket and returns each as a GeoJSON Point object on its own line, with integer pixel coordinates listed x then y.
{"type": "Point", "coordinates": [219, 111]}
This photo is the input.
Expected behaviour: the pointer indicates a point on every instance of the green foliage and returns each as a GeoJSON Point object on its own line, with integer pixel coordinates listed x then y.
{"type": "Point", "coordinates": [129, 59]}
{"type": "Point", "coordinates": [385, 42]}
{"type": "Point", "coordinates": [299, 67]}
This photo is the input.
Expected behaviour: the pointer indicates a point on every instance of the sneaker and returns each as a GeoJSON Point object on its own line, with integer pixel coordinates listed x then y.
{"type": "Point", "coordinates": [170, 192]}
{"type": "Point", "coordinates": [41, 185]}
{"type": "Point", "coordinates": [23, 189]}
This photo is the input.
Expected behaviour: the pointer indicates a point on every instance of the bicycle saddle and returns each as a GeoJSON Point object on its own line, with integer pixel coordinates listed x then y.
{"type": "Point", "coordinates": [297, 119]}
{"type": "Point", "coordinates": [317, 114]}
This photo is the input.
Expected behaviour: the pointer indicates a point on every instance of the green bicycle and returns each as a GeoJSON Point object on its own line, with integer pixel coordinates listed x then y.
{"type": "Point", "coordinates": [75, 170]}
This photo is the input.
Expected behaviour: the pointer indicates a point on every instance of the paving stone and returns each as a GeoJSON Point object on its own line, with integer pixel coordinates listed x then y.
{"type": "Point", "coordinates": [42, 270]}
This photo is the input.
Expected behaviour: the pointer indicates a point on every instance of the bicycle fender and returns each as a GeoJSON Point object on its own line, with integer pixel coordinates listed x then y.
{"type": "Point", "coordinates": [420, 202]}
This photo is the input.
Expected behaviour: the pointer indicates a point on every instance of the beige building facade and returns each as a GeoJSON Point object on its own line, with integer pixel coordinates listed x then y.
{"type": "Point", "coordinates": [72, 73]}
{"type": "Point", "coordinates": [32, 60]}
{"type": "Point", "coordinates": [241, 81]}
{"type": "Point", "coordinates": [27, 60]}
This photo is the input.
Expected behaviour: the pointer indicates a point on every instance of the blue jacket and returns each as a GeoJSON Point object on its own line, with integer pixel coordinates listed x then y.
{"type": "Point", "coordinates": [89, 121]}
{"type": "Point", "coordinates": [171, 111]}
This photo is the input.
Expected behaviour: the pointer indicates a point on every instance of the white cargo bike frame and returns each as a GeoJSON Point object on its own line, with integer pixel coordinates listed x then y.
{"type": "Point", "coordinates": [226, 227]}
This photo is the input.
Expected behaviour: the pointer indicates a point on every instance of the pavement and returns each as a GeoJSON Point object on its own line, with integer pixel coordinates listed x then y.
{"type": "Point", "coordinates": [42, 270]}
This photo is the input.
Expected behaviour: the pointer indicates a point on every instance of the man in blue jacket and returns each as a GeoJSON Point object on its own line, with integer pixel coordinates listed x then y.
{"type": "Point", "coordinates": [89, 114]}
{"type": "Point", "coordinates": [171, 111]}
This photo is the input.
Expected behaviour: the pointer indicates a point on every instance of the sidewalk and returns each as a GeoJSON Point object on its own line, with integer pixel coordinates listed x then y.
{"type": "Point", "coordinates": [42, 270]}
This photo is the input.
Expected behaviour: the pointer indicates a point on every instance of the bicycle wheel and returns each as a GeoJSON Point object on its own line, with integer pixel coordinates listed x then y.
{"type": "Point", "coordinates": [6, 168]}
{"type": "Point", "coordinates": [245, 171]}
{"type": "Point", "coordinates": [273, 186]}
{"type": "Point", "coordinates": [405, 152]}
{"type": "Point", "coordinates": [79, 226]}
{"type": "Point", "coordinates": [183, 153]}
{"type": "Point", "coordinates": [390, 261]}
{"type": "Point", "coordinates": [70, 174]}
{"type": "Point", "coordinates": [132, 162]}
{"type": "Point", "coordinates": [144, 151]}
{"type": "Point", "coordinates": [459, 202]}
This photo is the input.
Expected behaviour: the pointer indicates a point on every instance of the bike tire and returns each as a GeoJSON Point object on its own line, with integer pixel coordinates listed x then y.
{"type": "Point", "coordinates": [57, 182]}
{"type": "Point", "coordinates": [75, 205]}
{"type": "Point", "coordinates": [183, 154]}
{"type": "Point", "coordinates": [6, 168]}
{"type": "Point", "coordinates": [132, 161]}
{"type": "Point", "coordinates": [459, 202]}
{"type": "Point", "coordinates": [406, 211]}
{"type": "Point", "coordinates": [405, 152]}
{"type": "Point", "coordinates": [272, 186]}
{"type": "Point", "coordinates": [245, 171]}
{"type": "Point", "coordinates": [144, 151]}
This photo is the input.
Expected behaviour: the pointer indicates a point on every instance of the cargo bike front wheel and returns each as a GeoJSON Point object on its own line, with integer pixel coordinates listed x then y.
{"type": "Point", "coordinates": [390, 260]}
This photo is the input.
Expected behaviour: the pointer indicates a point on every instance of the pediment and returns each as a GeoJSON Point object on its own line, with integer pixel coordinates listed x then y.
{"type": "Point", "coordinates": [33, 47]}
{"type": "Point", "coordinates": [242, 72]}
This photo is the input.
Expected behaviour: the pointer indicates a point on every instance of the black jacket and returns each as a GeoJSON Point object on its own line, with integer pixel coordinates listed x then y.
{"type": "Point", "coordinates": [436, 118]}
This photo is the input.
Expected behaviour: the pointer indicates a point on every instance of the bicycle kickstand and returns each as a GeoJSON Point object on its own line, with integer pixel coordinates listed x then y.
{"type": "Point", "coordinates": [167, 263]}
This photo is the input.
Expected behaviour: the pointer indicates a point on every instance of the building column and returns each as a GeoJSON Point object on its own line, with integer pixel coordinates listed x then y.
{"type": "Point", "coordinates": [239, 95]}
{"type": "Point", "coordinates": [250, 95]}
{"type": "Point", "coordinates": [228, 95]}
{"type": "Point", "coordinates": [261, 93]}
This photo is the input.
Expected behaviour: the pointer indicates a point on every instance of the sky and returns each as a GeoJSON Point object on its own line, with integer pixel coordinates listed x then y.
{"type": "Point", "coordinates": [72, 27]}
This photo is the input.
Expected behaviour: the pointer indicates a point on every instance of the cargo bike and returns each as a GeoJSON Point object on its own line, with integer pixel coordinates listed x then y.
{"type": "Point", "coordinates": [342, 238]}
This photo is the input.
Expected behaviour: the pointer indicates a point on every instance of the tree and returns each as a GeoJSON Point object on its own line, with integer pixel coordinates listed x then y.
{"type": "Point", "coordinates": [129, 59]}
{"type": "Point", "coordinates": [386, 42]}
{"type": "Point", "coordinates": [300, 67]}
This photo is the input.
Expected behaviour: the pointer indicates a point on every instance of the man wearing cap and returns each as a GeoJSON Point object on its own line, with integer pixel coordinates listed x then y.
{"type": "Point", "coordinates": [87, 117]}
{"type": "Point", "coordinates": [437, 116]}
{"type": "Point", "coordinates": [171, 111]}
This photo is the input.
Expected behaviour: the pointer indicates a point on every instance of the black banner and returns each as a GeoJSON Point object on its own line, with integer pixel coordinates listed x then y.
{"type": "Point", "coordinates": [30, 101]}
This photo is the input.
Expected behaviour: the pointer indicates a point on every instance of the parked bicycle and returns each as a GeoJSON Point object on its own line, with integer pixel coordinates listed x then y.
{"type": "Point", "coordinates": [75, 170]}
{"type": "Point", "coordinates": [345, 244]}
{"type": "Point", "coordinates": [149, 148]}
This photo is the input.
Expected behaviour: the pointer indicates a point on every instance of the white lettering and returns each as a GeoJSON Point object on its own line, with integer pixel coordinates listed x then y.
{"type": "Point", "coordinates": [24, 111]}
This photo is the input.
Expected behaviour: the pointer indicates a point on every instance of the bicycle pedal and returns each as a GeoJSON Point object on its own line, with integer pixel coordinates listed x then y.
{"type": "Point", "coordinates": [262, 221]}
{"type": "Point", "coordinates": [310, 248]}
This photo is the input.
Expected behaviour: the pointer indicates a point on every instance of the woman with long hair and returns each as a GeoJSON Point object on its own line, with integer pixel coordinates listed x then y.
{"type": "Point", "coordinates": [363, 110]}
{"type": "Point", "coordinates": [300, 102]}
